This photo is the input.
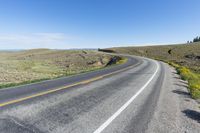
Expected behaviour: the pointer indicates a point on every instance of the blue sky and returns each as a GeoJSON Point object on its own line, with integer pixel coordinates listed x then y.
{"type": "Point", "coordinates": [62, 24]}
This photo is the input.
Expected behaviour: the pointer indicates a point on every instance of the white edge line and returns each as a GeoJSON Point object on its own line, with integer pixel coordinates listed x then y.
{"type": "Point", "coordinates": [120, 110]}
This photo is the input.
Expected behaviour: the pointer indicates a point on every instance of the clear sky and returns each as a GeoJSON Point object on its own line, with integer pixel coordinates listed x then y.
{"type": "Point", "coordinates": [26, 24]}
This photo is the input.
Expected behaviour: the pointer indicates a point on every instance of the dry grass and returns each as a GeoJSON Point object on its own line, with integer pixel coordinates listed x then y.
{"type": "Point", "coordinates": [38, 64]}
{"type": "Point", "coordinates": [187, 55]}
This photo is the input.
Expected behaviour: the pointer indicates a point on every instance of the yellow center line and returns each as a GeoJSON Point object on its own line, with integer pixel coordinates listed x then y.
{"type": "Point", "coordinates": [91, 80]}
{"type": "Point", "coordinates": [62, 88]}
{"type": "Point", "coordinates": [36, 95]}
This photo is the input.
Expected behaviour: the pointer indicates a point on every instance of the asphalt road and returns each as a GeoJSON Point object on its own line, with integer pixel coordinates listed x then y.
{"type": "Point", "coordinates": [119, 99]}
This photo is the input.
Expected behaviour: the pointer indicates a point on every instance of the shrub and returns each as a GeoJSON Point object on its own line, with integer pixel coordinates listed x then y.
{"type": "Point", "coordinates": [193, 81]}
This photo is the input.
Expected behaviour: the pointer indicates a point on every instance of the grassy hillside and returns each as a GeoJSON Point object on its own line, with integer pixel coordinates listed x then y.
{"type": "Point", "coordinates": [186, 54]}
{"type": "Point", "coordinates": [185, 57]}
{"type": "Point", "coordinates": [38, 64]}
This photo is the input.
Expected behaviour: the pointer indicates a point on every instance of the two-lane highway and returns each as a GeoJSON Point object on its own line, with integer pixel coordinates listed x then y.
{"type": "Point", "coordinates": [117, 99]}
{"type": "Point", "coordinates": [14, 94]}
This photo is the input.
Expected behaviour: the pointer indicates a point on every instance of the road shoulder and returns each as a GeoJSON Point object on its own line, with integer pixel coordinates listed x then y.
{"type": "Point", "coordinates": [175, 111]}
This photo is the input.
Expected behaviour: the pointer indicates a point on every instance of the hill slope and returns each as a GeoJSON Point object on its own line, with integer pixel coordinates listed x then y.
{"type": "Point", "coordinates": [37, 64]}
{"type": "Point", "coordinates": [184, 54]}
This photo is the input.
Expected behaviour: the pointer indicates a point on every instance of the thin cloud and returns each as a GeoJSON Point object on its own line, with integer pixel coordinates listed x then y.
{"type": "Point", "coordinates": [34, 40]}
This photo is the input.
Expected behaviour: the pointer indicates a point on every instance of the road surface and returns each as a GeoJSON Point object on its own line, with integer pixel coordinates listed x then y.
{"type": "Point", "coordinates": [135, 97]}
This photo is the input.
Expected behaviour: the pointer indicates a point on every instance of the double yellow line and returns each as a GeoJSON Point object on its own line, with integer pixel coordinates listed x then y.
{"type": "Point", "coordinates": [65, 87]}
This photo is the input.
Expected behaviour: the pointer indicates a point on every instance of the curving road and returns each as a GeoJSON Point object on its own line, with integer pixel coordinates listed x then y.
{"type": "Point", "coordinates": [118, 99]}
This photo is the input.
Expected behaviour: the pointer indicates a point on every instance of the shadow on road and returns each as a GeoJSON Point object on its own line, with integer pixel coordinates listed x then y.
{"type": "Point", "coordinates": [181, 92]}
{"type": "Point", "coordinates": [192, 114]}
{"type": "Point", "coordinates": [176, 77]}
{"type": "Point", "coordinates": [181, 85]}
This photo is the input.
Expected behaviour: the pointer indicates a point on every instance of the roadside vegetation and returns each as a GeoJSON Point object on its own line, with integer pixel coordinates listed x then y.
{"type": "Point", "coordinates": [35, 65]}
{"type": "Point", "coordinates": [192, 78]}
{"type": "Point", "coordinates": [184, 57]}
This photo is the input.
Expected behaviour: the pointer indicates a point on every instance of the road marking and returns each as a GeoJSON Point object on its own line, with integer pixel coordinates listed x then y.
{"type": "Point", "coordinates": [36, 95]}
{"type": "Point", "coordinates": [92, 80]}
{"type": "Point", "coordinates": [120, 110]}
{"type": "Point", "coordinates": [64, 87]}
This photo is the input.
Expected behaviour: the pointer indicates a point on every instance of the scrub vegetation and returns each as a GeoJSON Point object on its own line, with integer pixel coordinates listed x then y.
{"type": "Point", "coordinates": [184, 57]}
{"type": "Point", "coordinates": [192, 78]}
{"type": "Point", "coordinates": [29, 66]}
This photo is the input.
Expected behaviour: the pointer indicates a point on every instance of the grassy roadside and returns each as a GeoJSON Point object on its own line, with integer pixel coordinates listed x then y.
{"type": "Point", "coordinates": [188, 75]}
{"type": "Point", "coordinates": [192, 78]}
{"type": "Point", "coordinates": [120, 60]}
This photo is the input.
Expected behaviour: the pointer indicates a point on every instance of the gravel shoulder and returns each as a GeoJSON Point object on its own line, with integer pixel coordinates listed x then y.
{"type": "Point", "coordinates": [176, 111]}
